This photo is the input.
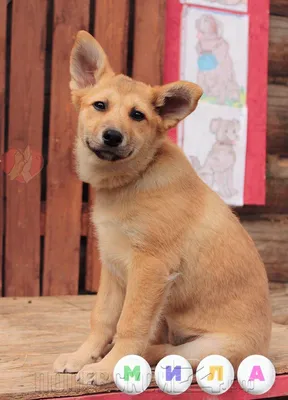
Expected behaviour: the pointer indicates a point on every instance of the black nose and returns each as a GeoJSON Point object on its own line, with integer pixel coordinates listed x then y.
{"type": "Point", "coordinates": [112, 138]}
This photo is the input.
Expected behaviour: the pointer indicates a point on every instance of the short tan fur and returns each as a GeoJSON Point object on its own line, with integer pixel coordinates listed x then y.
{"type": "Point", "coordinates": [180, 274]}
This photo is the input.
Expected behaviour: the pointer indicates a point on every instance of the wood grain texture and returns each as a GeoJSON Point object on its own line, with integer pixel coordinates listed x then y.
{"type": "Point", "coordinates": [279, 7]}
{"type": "Point", "coordinates": [278, 46]}
{"type": "Point", "coordinates": [22, 263]}
{"type": "Point", "coordinates": [277, 130]}
{"type": "Point", "coordinates": [276, 200]}
{"type": "Point", "coordinates": [271, 239]}
{"type": "Point", "coordinates": [64, 190]}
{"type": "Point", "coordinates": [111, 30]}
{"type": "Point", "coordinates": [57, 325]}
{"type": "Point", "coordinates": [276, 189]}
{"type": "Point", "coordinates": [149, 28]}
{"type": "Point", "coordinates": [279, 299]}
{"type": "Point", "coordinates": [277, 195]}
{"type": "Point", "coordinates": [3, 16]}
{"type": "Point", "coordinates": [277, 167]}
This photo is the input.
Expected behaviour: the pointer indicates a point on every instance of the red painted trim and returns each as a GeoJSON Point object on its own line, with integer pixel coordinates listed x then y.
{"type": "Point", "coordinates": [254, 188]}
{"type": "Point", "coordinates": [172, 47]}
{"type": "Point", "coordinates": [217, 9]}
{"type": "Point", "coordinates": [280, 388]}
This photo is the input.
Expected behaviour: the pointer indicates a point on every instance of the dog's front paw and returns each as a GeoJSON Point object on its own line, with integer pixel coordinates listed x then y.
{"type": "Point", "coordinates": [71, 362]}
{"type": "Point", "coordinates": [95, 374]}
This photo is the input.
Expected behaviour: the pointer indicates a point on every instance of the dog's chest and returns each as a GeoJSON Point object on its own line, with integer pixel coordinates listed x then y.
{"type": "Point", "coordinates": [114, 245]}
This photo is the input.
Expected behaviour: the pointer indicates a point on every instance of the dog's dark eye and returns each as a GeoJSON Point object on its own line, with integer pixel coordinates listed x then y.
{"type": "Point", "coordinates": [99, 105]}
{"type": "Point", "coordinates": [137, 115]}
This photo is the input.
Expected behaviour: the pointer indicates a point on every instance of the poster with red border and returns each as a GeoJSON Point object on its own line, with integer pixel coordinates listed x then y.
{"type": "Point", "coordinates": [256, 15]}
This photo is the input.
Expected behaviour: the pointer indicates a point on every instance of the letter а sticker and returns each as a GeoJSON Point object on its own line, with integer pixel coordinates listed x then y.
{"type": "Point", "coordinates": [256, 374]}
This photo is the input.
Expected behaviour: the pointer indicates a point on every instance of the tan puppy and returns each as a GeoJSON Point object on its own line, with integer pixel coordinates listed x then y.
{"type": "Point", "coordinates": [180, 275]}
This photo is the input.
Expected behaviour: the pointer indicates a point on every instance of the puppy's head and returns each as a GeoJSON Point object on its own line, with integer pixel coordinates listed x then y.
{"type": "Point", "coordinates": [121, 119]}
{"type": "Point", "coordinates": [226, 131]}
{"type": "Point", "coordinates": [208, 26]}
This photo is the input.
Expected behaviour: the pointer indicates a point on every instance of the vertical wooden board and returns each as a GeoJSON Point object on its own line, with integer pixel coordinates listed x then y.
{"type": "Point", "coordinates": [3, 15]}
{"type": "Point", "coordinates": [64, 190]}
{"type": "Point", "coordinates": [22, 260]}
{"type": "Point", "coordinates": [149, 34]}
{"type": "Point", "coordinates": [111, 30]}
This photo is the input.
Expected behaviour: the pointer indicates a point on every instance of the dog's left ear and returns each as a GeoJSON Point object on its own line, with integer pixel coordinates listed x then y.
{"type": "Point", "coordinates": [88, 62]}
{"type": "Point", "coordinates": [176, 100]}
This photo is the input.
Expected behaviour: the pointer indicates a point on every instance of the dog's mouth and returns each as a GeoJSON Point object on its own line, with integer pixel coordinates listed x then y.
{"type": "Point", "coordinates": [108, 154]}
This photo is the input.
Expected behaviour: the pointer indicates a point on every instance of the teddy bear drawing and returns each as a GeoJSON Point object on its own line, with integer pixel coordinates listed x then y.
{"type": "Point", "coordinates": [216, 73]}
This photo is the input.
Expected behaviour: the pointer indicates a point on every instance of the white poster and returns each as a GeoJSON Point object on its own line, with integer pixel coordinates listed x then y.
{"type": "Point", "coordinates": [233, 5]}
{"type": "Point", "coordinates": [214, 54]}
{"type": "Point", "coordinates": [215, 143]}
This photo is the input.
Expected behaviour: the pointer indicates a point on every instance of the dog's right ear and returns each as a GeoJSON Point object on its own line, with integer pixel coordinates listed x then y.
{"type": "Point", "coordinates": [175, 101]}
{"type": "Point", "coordinates": [88, 63]}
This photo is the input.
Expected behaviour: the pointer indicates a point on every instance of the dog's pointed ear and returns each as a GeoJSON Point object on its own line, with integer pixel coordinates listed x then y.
{"type": "Point", "coordinates": [175, 101]}
{"type": "Point", "coordinates": [88, 62]}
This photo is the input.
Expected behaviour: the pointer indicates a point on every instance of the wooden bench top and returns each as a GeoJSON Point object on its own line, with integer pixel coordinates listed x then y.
{"type": "Point", "coordinates": [35, 330]}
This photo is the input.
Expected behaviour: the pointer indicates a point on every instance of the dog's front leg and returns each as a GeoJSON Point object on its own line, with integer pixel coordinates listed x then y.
{"type": "Point", "coordinates": [104, 318]}
{"type": "Point", "coordinates": [146, 290]}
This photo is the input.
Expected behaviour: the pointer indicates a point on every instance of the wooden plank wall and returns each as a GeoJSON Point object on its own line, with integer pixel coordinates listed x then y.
{"type": "Point", "coordinates": [26, 100]}
{"type": "Point", "coordinates": [111, 28]}
{"type": "Point", "coordinates": [3, 15]}
{"type": "Point", "coordinates": [53, 204]}
{"type": "Point", "coordinates": [64, 190]}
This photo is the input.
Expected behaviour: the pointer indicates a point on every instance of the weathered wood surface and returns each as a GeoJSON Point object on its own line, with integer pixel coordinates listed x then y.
{"type": "Point", "coordinates": [276, 188]}
{"type": "Point", "coordinates": [279, 7]}
{"type": "Point", "coordinates": [277, 129]}
{"type": "Point", "coordinates": [3, 14]}
{"type": "Point", "coordinates": [279, 301]}
{"type": "Point", "coordinates": [271, 239]}
{"type": "Point", "coordinates": [64, 190]}
{"type": "Point", "coordinates": [22, 255]}
{"type": "Point", "coordinates": [149, 28]}
{"type": "Point", "coordinates": [111, 30]}
{"type": "Point", "coordinates": [277, 184]}
{"type": "Point", "coordinates": [36, 330]}
{"type": "Point", "coordinates": [278, 46]}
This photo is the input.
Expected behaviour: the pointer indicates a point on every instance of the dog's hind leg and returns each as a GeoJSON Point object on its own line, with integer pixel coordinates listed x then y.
{"type": "Point", "coordinates": [234, 349]}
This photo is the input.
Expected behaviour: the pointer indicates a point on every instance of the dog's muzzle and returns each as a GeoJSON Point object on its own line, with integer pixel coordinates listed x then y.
{"type": "Point", "coordinates": [108, 152]}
